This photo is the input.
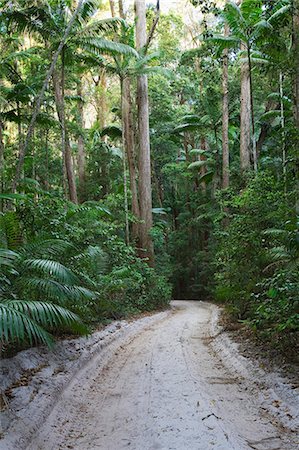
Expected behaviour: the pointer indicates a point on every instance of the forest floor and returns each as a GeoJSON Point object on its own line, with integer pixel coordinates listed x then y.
{"type": "Point", "coordinates": [173, 380]}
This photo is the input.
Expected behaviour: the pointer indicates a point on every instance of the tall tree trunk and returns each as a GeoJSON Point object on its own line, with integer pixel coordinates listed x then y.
{"type": "Point", "coordinates": [283, 140]}
{"type": "Point", "coordinates": [225, 117]}
{"type": "Point", "coordinates": [203, 169]}
{"type": "Point", "coordinates": [128, 144]}
{"type": "Point", "coordinates": [144, 160]}
{"type": "Point", "coordinates": [102, 107]}
{"type": "Point", "coordinates": [296, 60]}
{"type": "Point", "coordinates": [245, 116]}
{"type": "Point", "coordinates": [1, 163]}
{"type": "Point", "coordinates": [112, 7]}
{"type": "Point", "coordinates": [254, 153]}
{"type": "Point", "coordinates": [81, 143]}
{"type": "Point", "coordinates": [129, 141]}
{"type": "Point", "coordinates": [121, 9]}
{"type": "Point", "coordinates": [66, 147]}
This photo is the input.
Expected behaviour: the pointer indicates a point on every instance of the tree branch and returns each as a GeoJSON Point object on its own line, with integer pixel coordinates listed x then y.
{"type": "Point", "coordinates": [153, 28]}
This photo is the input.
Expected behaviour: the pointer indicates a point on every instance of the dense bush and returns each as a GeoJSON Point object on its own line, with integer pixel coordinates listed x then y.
{"type": "Point", "coordinates": [75, 259]}
{"type": "Point", "coordinates": [256, 263]}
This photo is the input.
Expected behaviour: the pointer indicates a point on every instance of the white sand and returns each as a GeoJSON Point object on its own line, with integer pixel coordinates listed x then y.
{"type": "Point", "coordinates": [162, 382]}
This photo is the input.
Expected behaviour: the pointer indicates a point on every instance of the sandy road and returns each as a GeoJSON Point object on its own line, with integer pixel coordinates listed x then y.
{"type": "Point", "coordinates": [164, 388]}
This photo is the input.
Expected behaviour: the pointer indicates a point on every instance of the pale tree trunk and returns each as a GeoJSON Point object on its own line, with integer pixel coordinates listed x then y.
{"type": "Point", "coordinates": [102, 109]}
{"type": "Point", "coordinates": [128, 149]}
{"type": "Point", "coordinates": [245, 116]}
{"type": "Point", "coordinates": [254, 153]}
{"type": "Point", "coordinates": [203, 169]}
{"type": "Point", "coordinates": [1, 163]}
{"type": "Point", "coordinates": [66, 147]}
{"type": "Point", "coordinates": [121, 9]}
{"type": "Point", "coordinates": [128, 144]}
{"type": "Point", "coordinates": [112, 7]}
{"type": "Point", "coordinates": [296, 60]}
{"type": "Point", "coordinates": [1, 147]}
{"type": "Point", "coordinates": [81, 143]}
{"type": "Point", "coordinates": [144, 160]}
{"type": "Point", "coordinates": [283, 140]}
{"type": "Point", "coordinates": [225, 117]}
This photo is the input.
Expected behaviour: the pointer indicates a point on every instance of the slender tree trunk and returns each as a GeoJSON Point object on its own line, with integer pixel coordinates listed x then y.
{"type": "Point", "coordinates": [126, 203]}
{"type": "Point", "coordinates": [1, 163]}
{"type": "Point", "coordinates": [283, 140]}
{"type": "Point", "coordinates": [1, 147]}
{"type": "Point", "coordinates": [225, 117]}
{"type": "Point", "coordinates": [112, 7]}
{"type": "Point", "coordinates": [245, 116]}
{"type": "Point", "coordinates": [19, 127]}
{"type": "Point", "coordinates": [203, 169]}
{"type": "Point", "coordinates": [145, 188]}
{"type": "Point", "coordinates": [66, 147]}
{"type": "Point", "coordinates": [47, 185]}
{"type": "Point", "coordinates": [81, 143]}
{"type": "Point", "coordinates": [41, 96]}
{"type": "Point", "coordinates": [102, 108]}
{"type": "Point", "coordinates": [254, 154]}
{"type": "Point", "coordinates": [296, 60]}
{"type": "Point", "coordinates": [128, 144]}
{"type": "Point", "coordinates": [121, 9]}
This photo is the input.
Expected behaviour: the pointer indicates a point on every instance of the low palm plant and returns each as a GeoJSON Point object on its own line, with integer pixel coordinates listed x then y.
{"type": "Point", "coordinates": [34, 289]}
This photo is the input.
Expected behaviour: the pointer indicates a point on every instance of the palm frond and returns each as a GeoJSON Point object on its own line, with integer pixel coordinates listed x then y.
{"type": "Point", "coordinates": [101, 45]}
{"type": "Point", "coordinates": [251, 10]}
{"type": "Point", "coordinates": [15, 325]}
{"type": "Point", "coordinates": [8, 257]}
{"type": "Point", "coordinates": [279, 14]}
{"type": "Point", "coordinates": [237, 24]}
{"type": "Point", "coordinates": [223, 42]}
{"type": "Point", "coordinates": [49, 247]}
{"type": "Point", "coordinates": [21, 320]}
{"type": "Point", "coordinates": [96, 26]}
{"type": "Point", "coordinates": [197, 164]}
{"type": "Point", "coordinates": [51, 268]}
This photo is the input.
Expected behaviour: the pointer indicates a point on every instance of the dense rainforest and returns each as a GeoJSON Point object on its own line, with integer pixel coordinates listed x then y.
{"type": "Point", "coordinates": [147, 152]}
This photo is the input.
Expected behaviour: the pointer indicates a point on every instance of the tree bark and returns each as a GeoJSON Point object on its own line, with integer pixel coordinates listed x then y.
{"type": "Point", "coordinates": [66, 147]}
{"type": "Point", "coordinates": [1, 147]}
{"type": "Point", "coordinates": [203, 169]}
{"type": "Point", "coordinates": [296, 60]}
{"type": "Point", "coordinates": [144, 160]}
{"type": "Point", "coordinates": [254, 153]}
{"type": "Point", "coordinates": [225, 117]}
{"type": "Point", "coordinates": [283, 140]}
{"type": "Point", "coordinates": [81, 143]}
{"type": "Point", "coordinates": [121, 9]}
{"type": "Point", "coordinates": [112, 8]}
{"type": "Point", "coordinates": [245, 116]}
{"type": "Point", "coordinates": [128, 144]}
{"type": "Point", "coordinates": [102, 108]}
{"type": "Point", "coordinates": [1, 163]}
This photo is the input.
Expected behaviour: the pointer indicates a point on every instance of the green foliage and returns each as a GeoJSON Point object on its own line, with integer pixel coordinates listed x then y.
{"type": "Point", "coordinates": [61, 261]}
{"type": "Point", "coordinates": [257, 262]}
{"type": "Point", "coordinates": [58, 263]}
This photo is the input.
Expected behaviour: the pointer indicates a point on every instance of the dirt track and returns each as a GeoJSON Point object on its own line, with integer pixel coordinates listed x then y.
{"type": "Point", "coordinates": [163, 388]}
